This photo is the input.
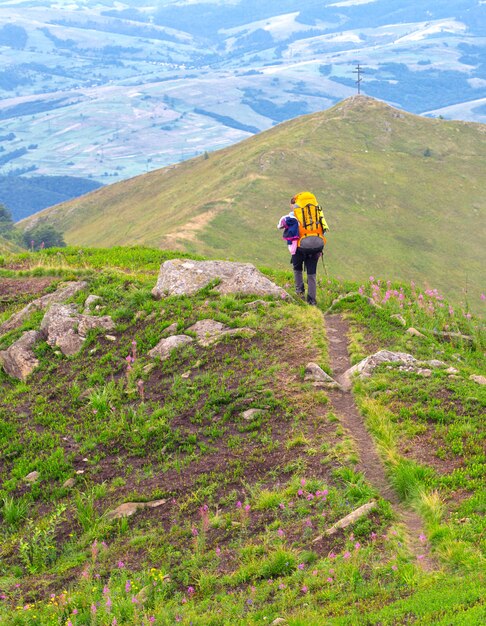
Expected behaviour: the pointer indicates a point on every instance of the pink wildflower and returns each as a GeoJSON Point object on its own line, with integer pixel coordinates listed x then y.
{"type": "Point", "coordinates": [134, 600]}
{"type": "Point", "coordinates": [347, 555]}
{"type": "Point", "coordinates": [361, 291]}
{"type": "Point", "coordinates": [483, 297]}
{"type": "Point", "coordinates": [93, 608]}
{"type": "Point", "coordinates": [128, 586]}
{"type": "Point", "coordinates": [422, 537]}
{"type": "Point", "coordinates": [301, 565]}
{"type": "Point", "coordinates": [190, 590]}
{"type": "Point", "coordinates": [305, 589]}
{"type": "Point", "coordinates": [332, 555]}
{"type": "Point", "coordinates": [247, 508]}
{"type": "Point", "coordinates": [314, 572]}
{"type": "Point", "coordinates": [218, 551]}
{"type": "Point", "coordinates": [282, 505]}
{"type": "Point", "coordinates": [238, 505]}
{"type": "Point", "coordinates": [394, 568]}
{"type": "Point", "coordinates": [300, 492]}
{"type": "Point", "coordinates": [195, 532]}
{"type": "Point", "coordinates": [282, 586]}
{"type": "Point", "coordinates": [280, 532]}
{"type": "Point", "coordinates": [329, 580]}
{"type": "Point", "coordinates": [373, 536]}
{"type": "Point", "coordinates": [120, 564]}
{"type": "Point", "coordinates": [108, 602]}
{"type": "Point", "coordinates": [357, 545]}
{"type": "Point", "coordinates": [303, 482]}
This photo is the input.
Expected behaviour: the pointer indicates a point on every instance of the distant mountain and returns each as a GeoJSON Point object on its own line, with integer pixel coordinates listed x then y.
{"type": "Point", "coordinates": [404, 197]}
{"type": "Point", "coordinates": [25, 195]}
{"type": "Point", "coordinates": [113, 89]}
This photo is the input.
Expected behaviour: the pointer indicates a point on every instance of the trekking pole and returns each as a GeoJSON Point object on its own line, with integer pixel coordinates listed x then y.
{"type": "Point", "coordinates": [324, 265]}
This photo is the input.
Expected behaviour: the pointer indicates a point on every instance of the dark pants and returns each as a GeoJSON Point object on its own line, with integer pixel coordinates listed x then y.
{"type": "Point", "coordinates": [308, 260]}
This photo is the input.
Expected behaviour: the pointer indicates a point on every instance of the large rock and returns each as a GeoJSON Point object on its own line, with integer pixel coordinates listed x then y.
{"type": "Point", "coordinates": [62, 294]}
{"type": "Point", "coordinates": [65, 328]}
{"type": "Point", "coordinates": [182, 277]}
{"type": "Point", "coordinates": [318, 376]}
{"type": "Point", "coordinates": [405, 361]}
{"type": "Point", "coordinates": [165, 346]}
{"type": "Point", "coordinates": [209, 331]}
{"type": "Point", "coordinates": [19, 359]}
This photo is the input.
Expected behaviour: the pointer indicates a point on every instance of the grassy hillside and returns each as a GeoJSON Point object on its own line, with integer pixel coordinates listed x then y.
{"type": "Point", "coordinates": [7, 246]}
{"type": "Point", "coordinates": [235, 541]}
{"type": "Point", "coordinates": [404, 197]}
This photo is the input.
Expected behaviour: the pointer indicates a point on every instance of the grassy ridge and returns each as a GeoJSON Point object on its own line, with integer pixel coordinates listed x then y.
{"type": "Point", "coordinates": [401, 193]}
{"type": "Point", "coordinates": [233, 544]}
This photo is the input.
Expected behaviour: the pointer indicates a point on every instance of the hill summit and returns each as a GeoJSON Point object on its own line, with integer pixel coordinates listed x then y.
{"type": "Point", "coordinates": [402, 194]}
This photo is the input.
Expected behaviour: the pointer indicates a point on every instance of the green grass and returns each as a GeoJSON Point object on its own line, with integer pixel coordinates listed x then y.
{"type": "Point", "coordinates": [387, 205]}
{"type": "Point", "coordinates": [233, 543]}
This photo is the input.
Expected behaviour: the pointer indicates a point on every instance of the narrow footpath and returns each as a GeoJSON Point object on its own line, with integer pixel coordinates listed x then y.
{"type": "Point", "coordinates": [369, 463]}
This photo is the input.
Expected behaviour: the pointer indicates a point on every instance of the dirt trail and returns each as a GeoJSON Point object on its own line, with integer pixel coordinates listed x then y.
{"type": "Point", "coordinates": [370, 463]}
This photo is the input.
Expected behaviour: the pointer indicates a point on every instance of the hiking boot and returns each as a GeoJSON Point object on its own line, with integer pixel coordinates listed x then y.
{"type": "Point", "coordinates": [300, 295]}
{"type": "Point", "coordinates": [311, 301]}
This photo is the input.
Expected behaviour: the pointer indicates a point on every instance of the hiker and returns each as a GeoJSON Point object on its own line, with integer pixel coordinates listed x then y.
{"type": "Point", "coordinates": [304, 227]}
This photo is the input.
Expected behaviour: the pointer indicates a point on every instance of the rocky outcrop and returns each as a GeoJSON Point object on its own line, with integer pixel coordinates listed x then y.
{"type": "Point", "coordinates": [477, 378]}
{"type": "Point", "coordinates": [406, 362]}
{"type": "Point", "coordinates": [19, 359]}
{"type": "Point", "coordinates": [182, 277]}
{"type": "Point", "coordinates": [209, 331]}
{"type": "Point", "coordinates": [41, 304]}
{"type": "Point", "coordinates": [165, 346]}
{"type": "Point", "coordinates": [65, 328]}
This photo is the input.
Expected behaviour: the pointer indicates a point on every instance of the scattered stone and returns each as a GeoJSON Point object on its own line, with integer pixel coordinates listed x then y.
{"type": "Point", "coordinates": [140, 315]}
{"type": "Point", "coordinates": [90, 300]}
{"type": "Point", "coordinates": [481, 380]}
{"type": "Point", "coordinates": [426, 373]}
{"type": "Point", "coordinates": [319, 377]}
{"type": "Point", "coordinates": [348, 520]}
{"type": "Point", "coordinates": [452, 336]}
{"type": "Point", "coordinates": [170, 330]}
{"type": "Point", "coordinates": [63, 293]}
{"type": "Point", "coordinates": [129, 508]}
{"type": "Point", "coordinates": [400, 319]}
{"type": "Point", "coordinates": [70, 482]}
{"type": "Point", "coordinates": [110, 337]}
{"type": "Point", "coordinates": [209, 331]}
{"type": "Point", "coordinates": [32, 477]}
{"type": "Point", "coordinates": [278, 620]}
{"type": "Point", "coordinates": [148, 368]}
{"type": "Point", "coordinates": [257, 303]}
{"type": "Point", "coordinates": [90, 322]}
{"type": "Point", "coordinates": [414, 332]}
{"type": "Point", "coordinates": [65, 328]}
{"type": "Point", "coordinates": [435, 363]}
{"type": "Point", "coordinates": [165, 346]}
{"type": "Point", "coordinates": [19, 360]}
{"type": "Point", "coordinates": [251, 414]}
{"type": "Point", "coordinates": [79, 471]}
{"type": "Point", "coordinates": [186, 374]}
{"type": "Point", "coordinates": [183, 277]}
{"type": "Point", "coordinates": [366, 367]}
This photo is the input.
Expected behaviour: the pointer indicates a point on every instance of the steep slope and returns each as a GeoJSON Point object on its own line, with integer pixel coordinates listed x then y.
{"type": "Point", "coordinates": [403, 195]}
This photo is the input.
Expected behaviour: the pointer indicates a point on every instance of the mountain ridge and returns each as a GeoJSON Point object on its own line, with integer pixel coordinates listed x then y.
{"type": "Point", "coordinates": [397, 189]}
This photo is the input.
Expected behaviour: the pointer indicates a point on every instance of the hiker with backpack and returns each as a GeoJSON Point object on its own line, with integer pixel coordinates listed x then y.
{"type": "Point", "coordinates": [304, 229]}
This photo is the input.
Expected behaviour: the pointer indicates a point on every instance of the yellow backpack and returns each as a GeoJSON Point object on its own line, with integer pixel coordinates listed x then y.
{"type": "Point", "coordinates": [312, 224]}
